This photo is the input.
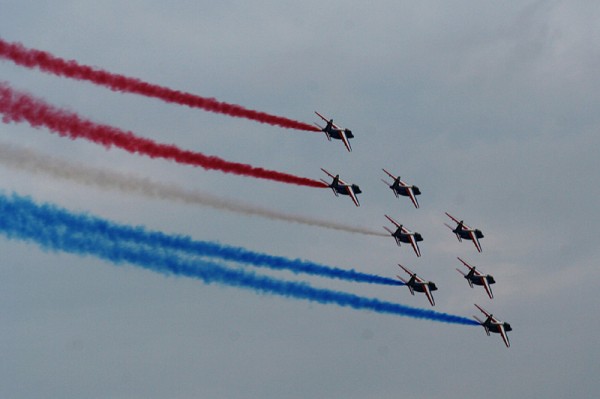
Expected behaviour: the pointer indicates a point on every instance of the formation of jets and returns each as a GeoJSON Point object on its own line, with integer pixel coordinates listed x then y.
{"type": "Point", "coordinates": [403, 235]}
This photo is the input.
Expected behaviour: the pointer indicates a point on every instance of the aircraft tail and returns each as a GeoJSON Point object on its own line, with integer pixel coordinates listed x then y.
{"type": "Point", "coordinates": [403, 280]}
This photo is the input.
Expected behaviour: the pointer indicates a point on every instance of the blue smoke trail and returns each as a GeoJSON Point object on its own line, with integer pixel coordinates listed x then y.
{"type": "Point", "coordinates": [20, 218]}
{"type": "Point", "coordinates": [91, 225]}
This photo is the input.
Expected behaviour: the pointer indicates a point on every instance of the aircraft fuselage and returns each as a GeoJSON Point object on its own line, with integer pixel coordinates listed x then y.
{"type": "Point", "coordinates": [343, 190]}
{"type": "Point", "coordinates": [337, 133]}
{"type": "Point", "coordinates": [401, 190]}
{"type": "Point", "coordinates": [466, 234]}
{"type": "Point", "coordinates": [495, 328]}
{"type": "Point", "coordinates": [479, 280]}
{"type": "Point", "coordinates": [405, 238]}
{"type": "Point", "coordinates": [421, 287]}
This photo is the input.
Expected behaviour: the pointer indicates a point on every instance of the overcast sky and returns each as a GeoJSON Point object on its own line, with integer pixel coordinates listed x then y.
{"type": "Point", "coordinates": [490, 108]}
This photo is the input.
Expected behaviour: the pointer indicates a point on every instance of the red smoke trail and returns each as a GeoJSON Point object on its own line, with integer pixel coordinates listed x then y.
{"type": "Point", "coordinates": [49, 63]}
{"type": "Point", "coordinates": [18, 107]}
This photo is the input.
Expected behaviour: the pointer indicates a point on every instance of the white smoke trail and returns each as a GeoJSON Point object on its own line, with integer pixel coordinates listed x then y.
{"type": "Point", "coordinates": [39, 164]}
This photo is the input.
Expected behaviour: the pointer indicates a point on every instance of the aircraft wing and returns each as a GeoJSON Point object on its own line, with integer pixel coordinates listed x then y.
{"type": "Point", "coordinates": [389, 174]}
{"type": "Point", "coordinates": [345, 139]}
{"type": "Point", "coordinates": [487, 287]}
{"type": "Point", "coordinates": [457, 221]}
{"type": "Point", "coordinates": [452, 217]}
{"type": "Point", "coordinates": [475, 240]}
{"type": "Point", "coordinates": [414, 244]}
{"type": "Point", "coordinates": [485, 312]}
{"type": "Point", "coordinates": [392, 220]}
{"type": "Point", "coordinates": [412, 196]}
{"type": "Point", "coordinates": [327, 120]}
{"type": "Point", "coordinates": [352, 195]}
{"type": "Point", "coordinates": [343, 183]}
{"type": "Point", "coordinates": [328, 174]}
{"type": "Point", "coordinates": [322, 117]}
{"type": "Point", "coordinates": [504, 336]}
{"type": "Point", "coordinates": [407, 270]}
{"type": "Point", "coordinates": [428, 293]}
{"type": "Point", "coordinates": [340, 181]}
{"type": "Point", "coordinates": [466, 264]}
{"type": "Point", "coordinates": [495, 322]}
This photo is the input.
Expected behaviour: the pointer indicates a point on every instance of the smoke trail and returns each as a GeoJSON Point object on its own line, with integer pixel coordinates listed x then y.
{"type": "Point", "coordinates": [39, 164]}
{"type": "Point", "coordinates": [49, 63]}
{"type": "Point", "coordinates": [18, 107]}
{"type": "Point", "coordinates": [91, 226]}
{"type": "Point", "coordinates": [44, 231]}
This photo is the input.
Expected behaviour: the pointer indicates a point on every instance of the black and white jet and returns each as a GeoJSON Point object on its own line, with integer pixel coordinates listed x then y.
{"type": "Point", "coordinates": [404, 235]}
{"type": "Point", "coordinates": [492, 324]}
{"type": "Point", "coordinates": [401, 188]}
{"type": "Point", "coordinates": [416, 283]}
{"type": "Point", "coordinates": [476, 277]}
{"type": "Point", "coordinates": [333, 131]}
{"type": "Point", "coordinates": [463, 231]}
{"type": "Point", "coordinates": [340, 187]}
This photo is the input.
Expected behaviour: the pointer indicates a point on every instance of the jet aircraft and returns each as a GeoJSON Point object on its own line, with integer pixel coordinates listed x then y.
{"type": "Point", "coordinates": [404, 235]}
{"type": "Point", "coordinates": [331, 130]}
{"type": "Point", "coordinates": [463, 231]}
{"type": "Point", "coordinates": [416, 283]}
{"type": "Point", "coordinates": [401, 188]}
{"type": "Point", "coordinates": [340, 187]}
{"type": "Point", "coordinates": [492, 324]}
{"type": "Point", "coordinates": [476, 277]}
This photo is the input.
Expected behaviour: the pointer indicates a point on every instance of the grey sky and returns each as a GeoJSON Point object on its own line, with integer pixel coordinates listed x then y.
{"type": "Point", "coordinates": [491, 109]}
